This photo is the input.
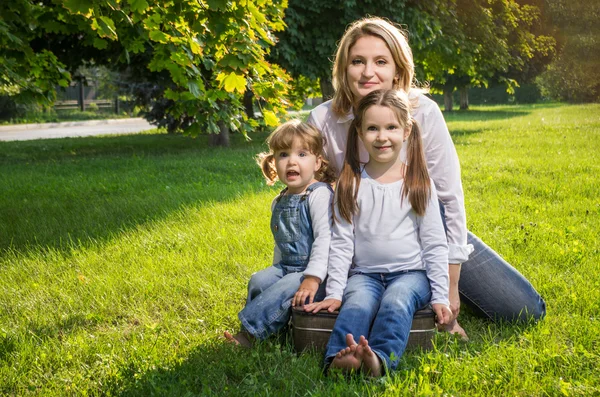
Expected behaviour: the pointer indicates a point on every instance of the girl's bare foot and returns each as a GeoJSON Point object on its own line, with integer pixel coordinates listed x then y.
{"type": "Point", "coordinates": [346, 358]}
{"type": "Point", "coordinates": [370, 360]}
{"type": "Point", "coordinates": [240, 339]}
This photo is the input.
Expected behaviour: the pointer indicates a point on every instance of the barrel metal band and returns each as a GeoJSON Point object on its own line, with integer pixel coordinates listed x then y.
{"type": "Point", "coordinates": [328, 330]}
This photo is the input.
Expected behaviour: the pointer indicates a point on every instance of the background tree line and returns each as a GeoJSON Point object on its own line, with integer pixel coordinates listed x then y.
{"type": "Point", "coordinates": [194, 66]}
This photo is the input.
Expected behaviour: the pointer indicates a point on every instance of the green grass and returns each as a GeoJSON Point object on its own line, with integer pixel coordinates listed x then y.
{"type": "Point", "coordinates": [55, 116]}
{"type": "Point", "coordinates": [123, 259]}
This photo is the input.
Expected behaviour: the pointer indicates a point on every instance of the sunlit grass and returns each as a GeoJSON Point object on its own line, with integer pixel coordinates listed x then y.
{"type": "Point", "coordinates": [123, 259]}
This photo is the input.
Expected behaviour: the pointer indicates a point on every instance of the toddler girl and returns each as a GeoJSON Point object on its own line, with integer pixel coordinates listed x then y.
{"type": "Point", "coordinates": [389, 256]}
{"type": "Point", "coordinates": [300, 223]}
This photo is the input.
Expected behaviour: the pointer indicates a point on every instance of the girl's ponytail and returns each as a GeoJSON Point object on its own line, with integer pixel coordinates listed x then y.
{"type": "Point", "coordinates": [347, 187]}
{"type": "Point", "coordinates": [266, 161]}
{"type": "Point", "coordinates": [417, 185]}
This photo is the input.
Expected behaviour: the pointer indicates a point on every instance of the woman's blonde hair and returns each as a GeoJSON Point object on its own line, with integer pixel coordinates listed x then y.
{"type": "Point", "coordinates": [397, 42]}
{"type": "Point", "coordinates": [417, 185]}
{"type": "Point", "coordinates": [283, 139]}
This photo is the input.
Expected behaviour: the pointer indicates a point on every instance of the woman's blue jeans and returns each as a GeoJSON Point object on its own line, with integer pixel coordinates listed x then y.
{"type": "Point", "coordinates": [270, 293]}
{"type": "Point", "coordinates": [494, 288]}
{"type": "Point", "coordinates": [380, 307]}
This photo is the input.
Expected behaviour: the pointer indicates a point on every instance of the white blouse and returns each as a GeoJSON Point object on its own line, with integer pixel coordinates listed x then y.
{"type": "Point", "coordinates": [386, 235]}
{"type": "Point", "coordinates": [440, 154]}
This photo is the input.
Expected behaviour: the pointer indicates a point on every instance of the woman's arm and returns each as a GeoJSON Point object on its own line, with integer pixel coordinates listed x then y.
{"type": "Point", "coordinates": [444, 169]}
{"type": "Point", "coordinates": [435, 250]}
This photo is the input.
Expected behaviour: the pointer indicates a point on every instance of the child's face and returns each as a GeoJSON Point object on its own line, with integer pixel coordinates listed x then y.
{"type": "Point", "coordinates": [296, 167]}
{"type": "Point", "coordinates": [382, 134]}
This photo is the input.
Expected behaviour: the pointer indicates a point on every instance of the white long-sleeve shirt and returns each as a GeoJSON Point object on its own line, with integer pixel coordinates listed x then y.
{"type": "Point", "coordinates": [319, 207]}
{"type": "Point", "coordinates": [386, 235]}
{"type": "Point", "coordinates": [440, 154]}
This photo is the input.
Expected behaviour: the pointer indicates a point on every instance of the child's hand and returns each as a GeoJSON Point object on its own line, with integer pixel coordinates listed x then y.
{"type": "Point", "coordinates": [307, 289]}
{"type": "Point", "coordinates": [329, 304]}
{"type": "Point", "coordinates": [443, 313]}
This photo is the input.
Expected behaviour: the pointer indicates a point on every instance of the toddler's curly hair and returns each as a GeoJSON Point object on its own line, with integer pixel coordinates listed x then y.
{"type": "Point", "coordinates": [283, 139]}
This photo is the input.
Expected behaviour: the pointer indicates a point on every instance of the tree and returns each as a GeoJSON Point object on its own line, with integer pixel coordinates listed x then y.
{"type": "Point", "coordinates": [308, 44]}
{"type": "Point", "coordinates": [574, 75]}
{"type": "Point", "coordinates": [203, 53]}
{"type": "Point", "coordinates": [477, 41]}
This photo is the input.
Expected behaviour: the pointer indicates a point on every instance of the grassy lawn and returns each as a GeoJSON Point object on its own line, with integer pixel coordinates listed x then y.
{"type": "Point", "coordinates": [123, 260]}
{"type": "Point", "coordinates": [59, 115]}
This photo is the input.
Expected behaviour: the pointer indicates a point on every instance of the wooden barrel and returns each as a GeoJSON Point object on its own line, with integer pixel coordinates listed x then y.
{"type": "Point", "coordinates": [311, 331]}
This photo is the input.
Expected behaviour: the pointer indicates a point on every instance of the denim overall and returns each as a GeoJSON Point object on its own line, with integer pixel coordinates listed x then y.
{"type": "Point", "coordinates": [292, 228]}
{"type": "Point", "coordinates": [271, 290]}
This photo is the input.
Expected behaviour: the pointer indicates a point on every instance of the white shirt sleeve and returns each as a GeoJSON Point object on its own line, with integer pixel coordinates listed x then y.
{"type": "Point", "coordinates": [340, 256]}
{"type": "Point", "coordinates": [435, 250]}
{"type": "Point", "coordinates": [319, 204]}
{"type": "Point", "coordinates": [444, 169]}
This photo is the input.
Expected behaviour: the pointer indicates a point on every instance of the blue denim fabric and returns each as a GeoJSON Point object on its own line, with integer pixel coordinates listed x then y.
{"type": "Point", "coordinates": [492, 287]}
{"type": "Point", "coordinates": [270, 291]}
{"type": "Point", "coordinates": [292, 227]}
{"type": "Point", "coordinates": [380, 306]}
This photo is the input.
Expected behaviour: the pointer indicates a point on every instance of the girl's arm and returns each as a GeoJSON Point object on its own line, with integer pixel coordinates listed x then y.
{"type": "Point", "coordinates": [319, 204]}
{"type": "Point", "coordinates": [435, 250]}
{"type": "Point", "coordinates": [340, 260]}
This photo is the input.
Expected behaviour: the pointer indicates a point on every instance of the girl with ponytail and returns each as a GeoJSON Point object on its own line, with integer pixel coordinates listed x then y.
{"type": "Point", "coordinates": [388, 254]}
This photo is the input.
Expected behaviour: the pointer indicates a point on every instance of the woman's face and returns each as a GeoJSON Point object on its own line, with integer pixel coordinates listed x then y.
{"type": "Point", "coordinates": [370, 67]}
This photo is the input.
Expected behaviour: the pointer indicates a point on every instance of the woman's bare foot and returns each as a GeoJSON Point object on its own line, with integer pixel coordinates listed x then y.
{"type": "Point", "coordinates": [346, 359]}
{"type": "Point", "coordinates": [455, 328]}
{"type": "Point", "coordinates": [240, 339]}
{"type": "Point", "coordinates": [371, 365]}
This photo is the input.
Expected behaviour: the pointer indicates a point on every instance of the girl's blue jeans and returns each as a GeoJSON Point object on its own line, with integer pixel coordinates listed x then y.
{"type": "Point", "coordinates": [380, 307]}
{"type": "Point", "coordinates": [270, 293]}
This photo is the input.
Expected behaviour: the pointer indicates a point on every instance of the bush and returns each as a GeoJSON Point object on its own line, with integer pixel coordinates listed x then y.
{"type": "Point", "coordinates": [571, 79]}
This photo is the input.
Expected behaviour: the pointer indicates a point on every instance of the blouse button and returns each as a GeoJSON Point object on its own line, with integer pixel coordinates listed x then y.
{"type": "Point", "coordinates": [276, 227]}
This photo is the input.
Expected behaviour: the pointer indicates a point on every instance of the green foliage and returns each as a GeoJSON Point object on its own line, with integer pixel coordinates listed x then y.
{"type": "Point", "coordinates": [123, 260]}
{"type": "Point", "coordinates": [307, 46]}
{"type": "Point", "coordinates": [574, 75]}
{"type": "Point", "coordinates": [204, 53]}
{"type": "Point", "coordinates": [32, 74]}
{"type": "Point", "coordinates": [455, 43]}
{"type": "Point", "coordinates": [476, 42]}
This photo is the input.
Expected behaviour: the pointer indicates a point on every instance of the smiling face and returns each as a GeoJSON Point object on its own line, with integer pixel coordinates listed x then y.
{"type": "Point", "coordinates": [296, 167]}
{"type": "Point", "coordinates": [370, 67]}
{"type": "Point", "coordinates": [382, 135]}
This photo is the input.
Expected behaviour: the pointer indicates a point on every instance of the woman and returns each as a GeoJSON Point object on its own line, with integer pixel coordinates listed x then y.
{"type": "Point", "coordinates": [374, 54]}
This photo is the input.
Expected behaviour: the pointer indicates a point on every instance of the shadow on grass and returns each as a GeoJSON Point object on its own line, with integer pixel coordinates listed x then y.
{"type": "Point", "coordinates": [221, 369]}
{"type": "Point", "coordinates": [61, 192]}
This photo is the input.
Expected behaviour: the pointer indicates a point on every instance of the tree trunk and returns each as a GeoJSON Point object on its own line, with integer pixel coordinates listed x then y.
{"type": "Point", "coordinates": [448, 98]}
{"type": "Point", "coordinates": [326, 89]}
{"type": "Point", "coordinates": [221, 139]}
{"type": "Point", "coordinates": [248, 103]}
{"type": "Point", "coordinates": [81, 96]}
{"type": "Point", "coordinates": [464, 98]}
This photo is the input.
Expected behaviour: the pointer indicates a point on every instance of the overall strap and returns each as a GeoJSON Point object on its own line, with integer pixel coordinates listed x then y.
{"type": "Point", "coordinates": [281, 194]}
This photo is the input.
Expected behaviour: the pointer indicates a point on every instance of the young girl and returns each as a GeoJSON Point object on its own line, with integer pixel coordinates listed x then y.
{"type": "Point", "coordinates": [388, 255]}
{"type": "Point", "coordinates": [300, 223]}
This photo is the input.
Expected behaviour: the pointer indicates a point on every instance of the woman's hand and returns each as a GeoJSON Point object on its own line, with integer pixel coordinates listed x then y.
{"type": "Point", "coordinates": [307, 290]}
{"type": "Point", "coordinates": [443, 313]}
{"type": "Point", "coordinates": [330, 305]}
{"type": "Point", "coordinates": [454, 297]}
